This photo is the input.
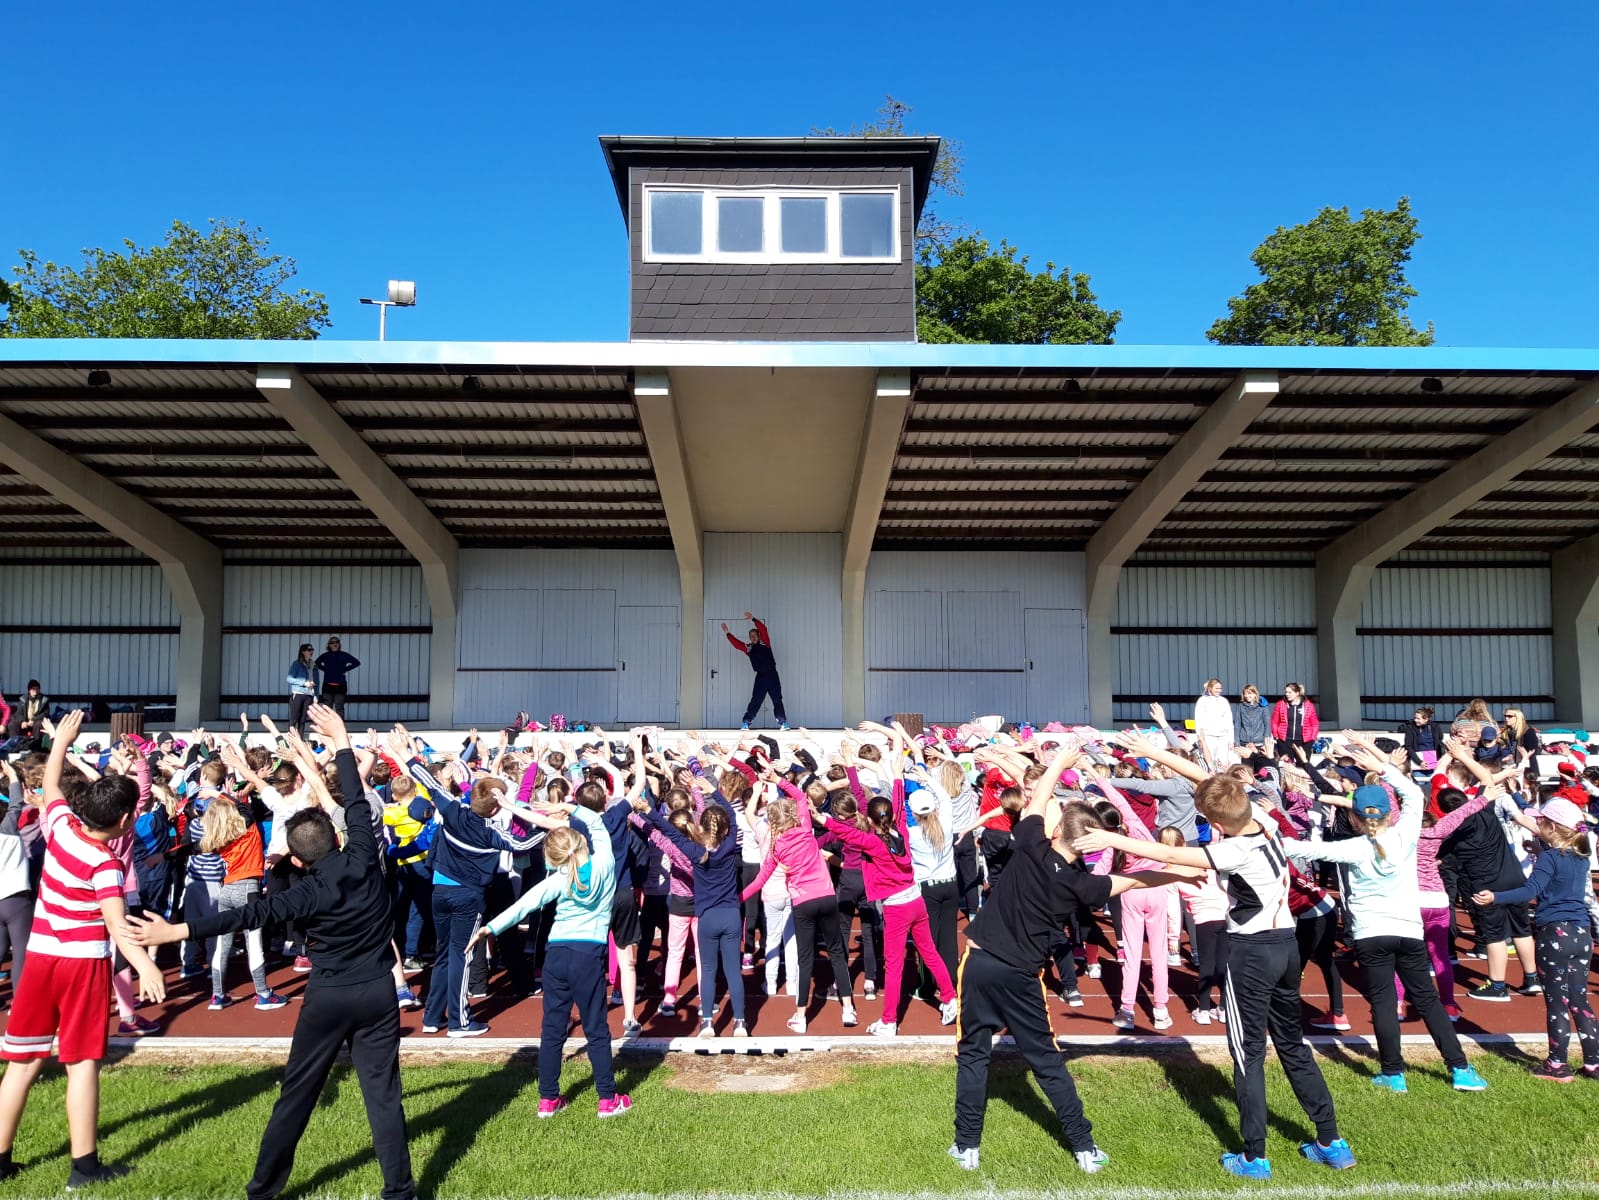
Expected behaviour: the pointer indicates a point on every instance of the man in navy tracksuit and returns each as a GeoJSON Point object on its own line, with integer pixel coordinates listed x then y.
{"type": "Point", "coordinates": [759, 650]}
{"type": "Point", "coordinates": [464, 857]}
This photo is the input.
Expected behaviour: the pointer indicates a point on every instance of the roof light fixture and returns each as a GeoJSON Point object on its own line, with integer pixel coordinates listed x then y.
{"type": "Point", "coordinates": [402, 294]}
{"type": "Point", "coordinates": [1432, 384]}
{"type": "Point", "coordinates": [99, 378]}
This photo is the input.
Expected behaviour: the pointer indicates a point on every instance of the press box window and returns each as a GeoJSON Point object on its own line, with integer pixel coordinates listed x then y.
{"type": "Point", "coordinates": [770, 225]}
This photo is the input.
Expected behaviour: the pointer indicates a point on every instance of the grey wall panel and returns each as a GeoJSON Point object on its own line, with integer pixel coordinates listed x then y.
{"type": "Point", "coordinates": [1440, 597]}
{"type": "Point", "coordinates": [391, 664]}
{"type": "Point", "coordinates": [1177, 665]}
{"type": "Point", "coordinates": [1508, 668]}
{"type": "Point", "coordinates": [792, 582]}
{"type": "Point", "coordinates": [324, 596]}
{"type": "Point", "coordinates": [82, 667]}
{"type": "Point", "coordinates": [578, 695]}
{"type": "Point", "coordinates": [984, 596]}
{"type": "Point", "coordinates": [1216, 596]}
{"type": "Point", "coordinates": [499, 628]}
{"type": "Point", "coordinates": [81, 594]}
{"type": "Point", "coordinates": [579, 629]}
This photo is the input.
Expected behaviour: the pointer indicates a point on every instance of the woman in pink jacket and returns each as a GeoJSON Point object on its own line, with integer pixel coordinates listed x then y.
{"type": "Point", "coordinates": [1294, 719]}
{"type": "Point", "coordinates": [890, 878]}
{"type": "Point", "coordinates": [792, 845]}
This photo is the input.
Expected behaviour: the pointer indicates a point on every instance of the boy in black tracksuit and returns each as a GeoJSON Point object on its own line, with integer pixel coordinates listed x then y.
{"type": "Point", "coordinates": [343, 903]}
{"type": "Point", "coordinates": [1261, 988]}
{"type": "Point", "coordinates": [1007, 944]}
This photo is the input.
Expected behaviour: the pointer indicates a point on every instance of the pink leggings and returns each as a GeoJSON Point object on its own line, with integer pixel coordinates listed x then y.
{"type": "Point", "coordinates": [678, 932]}
{"type": "Point", "coordinates": [910, 919]}
{"type": "Point", "coordinates": [1435, 932]}
{"type": "Point", "coordinates": [1144, 916]}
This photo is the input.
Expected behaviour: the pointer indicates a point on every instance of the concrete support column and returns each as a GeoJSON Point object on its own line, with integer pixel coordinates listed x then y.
{"type": "Point", "coordinates": [1574, 608]}
{"type": "Point", "coordinates": [381, 490]}
{"type": "Point", "coordinates": [1345, 566]}
{"type": "Point", "coordinates": [1196, 452]}
{"type": "Point", "coordinates": [885, 421]}
{"type": "Point", "coordinates": [191, 565]}
{"type": "Point", "coordinates": [663, 433]}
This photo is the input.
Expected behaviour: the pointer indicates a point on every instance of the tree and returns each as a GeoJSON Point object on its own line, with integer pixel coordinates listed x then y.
{"type": "Point", "coordinates": [1330, 282]}
{"type": "Point", "coordinates": [973, 293]}
{"type": "Point", "coordinates": [932, 230]}
{"type": "Point", "coordinates": [219, 283]}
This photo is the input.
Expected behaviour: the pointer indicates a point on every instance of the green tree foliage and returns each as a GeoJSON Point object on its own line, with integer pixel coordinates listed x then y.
{"type": "Point", "coordinates": [1332, 281]}
{"type": "Point", "coordinates": [973, 293]}
{"type": "Point", "coordinates": [932, 230]}
{"type": "Point", "coordinates": [217, 283]}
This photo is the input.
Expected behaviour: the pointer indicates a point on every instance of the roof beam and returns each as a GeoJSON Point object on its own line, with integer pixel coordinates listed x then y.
{"type": "Point", "coordinates": [874, 467]}
{"type": "Point", "coordinates": [663, 435]}
{"type": "Point", "coordinates": [407, 518]}
{"type": "Point", "coordinates": [191, 565]}
{"type": "Point", "coordinates": [1344, 568]}
{"type": "Point", "coordinates": [1151, 501]}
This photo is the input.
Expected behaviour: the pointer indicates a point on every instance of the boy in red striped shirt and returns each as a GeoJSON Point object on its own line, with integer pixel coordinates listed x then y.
{"type": "Point", "coordinates": [63, 992]}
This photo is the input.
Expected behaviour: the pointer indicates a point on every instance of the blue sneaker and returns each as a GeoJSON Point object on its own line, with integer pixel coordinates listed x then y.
{"type": "Point", "coordinates": [1338, 1156]}
{"type": "Point", "coordinates": [783, 726]}
{"type": "Point", "coordinates": [1466, 1079]}
{"type": "Point", "coordinates": [1393, 1083]}
{"type": "Point", "coordinates": [1246, 1168]}
{"type": "Point", "coordinates": [745, 726]}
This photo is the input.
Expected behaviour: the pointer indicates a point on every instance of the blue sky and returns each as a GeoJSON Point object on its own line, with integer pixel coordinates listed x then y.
{"type": "Point", "coordinates": [1151, 145]}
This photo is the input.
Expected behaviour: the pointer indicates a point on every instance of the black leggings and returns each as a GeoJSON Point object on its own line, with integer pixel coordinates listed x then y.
{"type": "Point", "coordinates": [298, 704]}
{"type": "Point", "coordinates": [852, 902]}
{"type": "Point", "coordinates": [1210, 949]}
{"type": "Point", "coordinates": [1317, 938]}
{"type": "Point", "coordinates": [752, 907]}
{"type": "Point", "coordinates": [968, 876]}
{"type": "Point", "coordinates": [16, 921]}
{"type": "Point", "coordinates": [652, 919]}
{"type": "Point", "coordinates": [817, 920]}
{"type": "Point", "coordinates": [943, 904]}
{"type": "Point", "coordinates": [1380, 959]}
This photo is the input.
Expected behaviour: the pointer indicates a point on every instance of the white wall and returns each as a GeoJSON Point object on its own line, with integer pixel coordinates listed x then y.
{"type": "Point", "coordinates": [308, 602]}
{"type": "Point", "coordinates": [954, 634]}
{"type": "Point", "coordinates": [791, 581]}
{"type": "Point", "coordinates": [590, 634]}
{"type": "Point", "coordinates": [48, 616]}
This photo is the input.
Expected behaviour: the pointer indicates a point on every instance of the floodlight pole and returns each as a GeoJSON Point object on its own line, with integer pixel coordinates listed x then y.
{"type": "Point", "coordinates": [402, 294]}
{"type": "Point", "coordinates": [383, 307]}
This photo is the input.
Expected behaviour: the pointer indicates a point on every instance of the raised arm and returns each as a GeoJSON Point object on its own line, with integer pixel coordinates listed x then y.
{"type": "Point", "coordinates": [1137, 744]}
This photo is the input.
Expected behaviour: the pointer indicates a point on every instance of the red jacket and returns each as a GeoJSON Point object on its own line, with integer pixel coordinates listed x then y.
{"type": "Point", "coordinates": [1310, 723]}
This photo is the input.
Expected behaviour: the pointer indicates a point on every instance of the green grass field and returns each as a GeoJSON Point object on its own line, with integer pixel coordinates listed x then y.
{"type": "Point", "coordinates": [868, 1128]}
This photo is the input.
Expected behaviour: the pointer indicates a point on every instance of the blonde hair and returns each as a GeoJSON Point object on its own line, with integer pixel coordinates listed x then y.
{"type": "Point", "coordinates": [224, 824]}
{"type": "Point", "coordinates": [566, 851]}
{"type": "Point", "coordinates": [401, 788]}
{"type": "Point", "coordinates": [1210, 683]}
{"type": "Point", "coordinates": [782, 815]}
{"type": "Point", "coordinates": [1222, 801]}
{"type": "Point", "coordinates": [1373, 828]}
{"type": "Point", "coordinates": [952, 777]}
{"type": "Point", "coordinates": [932, 829]}
{"type": "Point", "coordinates": [1558, 837]}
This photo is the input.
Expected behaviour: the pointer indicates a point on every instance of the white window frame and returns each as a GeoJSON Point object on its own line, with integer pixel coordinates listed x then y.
{"type": "Point", "coordinates": [771, 224]}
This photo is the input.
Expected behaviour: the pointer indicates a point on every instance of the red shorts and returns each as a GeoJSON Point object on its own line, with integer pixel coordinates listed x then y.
{"type": "Point", "coordinates": [59, 997]}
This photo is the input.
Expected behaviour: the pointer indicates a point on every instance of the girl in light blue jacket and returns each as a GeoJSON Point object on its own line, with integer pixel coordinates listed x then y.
{"type": "Point", "coordinates": [581, 880]}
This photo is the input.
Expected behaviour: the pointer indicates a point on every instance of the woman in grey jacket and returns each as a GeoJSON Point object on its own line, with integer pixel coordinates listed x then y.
{"type": "Point", "coordinates": [1252, 726]}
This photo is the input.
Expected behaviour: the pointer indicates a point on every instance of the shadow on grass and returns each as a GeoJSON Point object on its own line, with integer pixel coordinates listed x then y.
{"type": "Point", "coordinates": [1208, 1089]}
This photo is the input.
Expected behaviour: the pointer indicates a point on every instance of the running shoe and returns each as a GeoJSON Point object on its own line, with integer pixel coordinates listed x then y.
{"type": "Point", "coordinates": [1219, 1015]}
{"type": "Point", "coordinates": [1091, 1161]}
{"type": "Point", "coordinates": [967, 1158]}
{"type": "Point", "coordinates": [412, 966]}
{"type": "Point", "coordinates": [1498, 993]}
{"type": "Point", "coordinates": [1174, 959]}
{"type": "Point", "coordinates": [869, 990]}
{"type": "Point", "coordinates": [1331, 1021]}
{"type": "Point", "coordinates": [618, 1105]}
{"type": "Point", "coordinates": [432, 1028]}
{"type": "Point", "coordinates": [668, 1008]}
{"type": "Point", "coordinates": [1336, 1155]}
{"type": "Point", "coordinates": [406, 999]}
{"type": "Point", "coordinates": [747, 963]}
{"type": "Point", "coordinates": [470, 1029]}
{"type": "Point", "coordinates": [1201, 1016]}
{"type": "Point", "coordinates": [1532, 986]}
{"type": "Point", "coordinates": [270, 1001]}
{"type": "Point", "coordinates": [1246, 1168]}
{"type": "Point", "coordinates": [218, 1003]}
{"type": "Point", "coordinates": [1072, 996]}
{"type": "Point", "coordinates": [883, 1029]}
{"type": "Point", "coordinates": [631, 1028]}
{"type": "Point", "coordinates": [740, 1029]}
{"type": "Point", "coordinates": [782, 726]}
{"type": "Point", "coordinates": [616, 998]}
{"type": "Point", "coordinates": [1094, 971]}
{"type": "Point", "coordinates": [745, 726]}
{"type": "Point", "coordinates": [485, 996]}
{"type": "Point", "coordinates": [1554, 1072]}
{"type": "Point", "coordinates": [949, 1011]}
{"type": "Point", "coordinates": [1392, 1083]}
{"type": "Point", "coordinates": [137, 1027]}
{"type": "Point", "coordinates": [302, 965]}
{"type": "Point", "coordinates": [1123, 1019]}
{"type": "Point", "coordinates": [1466, 1079]}
{"type": "Point", "coordinates": [1161, 1018]}
{"type": "Point", "coordinates": [850, 1017]}
{"type": "Point", "coordinates": [707, 1029]}
{"type": "Point", "coordinates": [1590, 1070]}
{"type": "Point", "coordinates": [96, 1175]}
{"type": "Point", "coordinates": [549, 1108]}
{"type": "Point", "coordinates": [193, 972]}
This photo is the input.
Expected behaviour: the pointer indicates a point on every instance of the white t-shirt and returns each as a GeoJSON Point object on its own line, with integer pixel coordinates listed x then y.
{"type": "Point", "coordinates": [1253, 870]}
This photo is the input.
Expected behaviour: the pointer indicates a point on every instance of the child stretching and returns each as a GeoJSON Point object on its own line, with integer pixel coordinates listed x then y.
{"type": "Point", "coordinates": [1261, 993]}
{"type": "Point", "coordinates": [63, 992]}
{"type": "Point", "coordinates": [1207, 905]}
{"type": "Point", "coordinates": [1564, 933]}
{"type": "Point", "coordinates": [1007, 944]}
{"type": "Point", "coordinates": [1144, 915]}
{"type": "Point", "coordinates": [583, 884]}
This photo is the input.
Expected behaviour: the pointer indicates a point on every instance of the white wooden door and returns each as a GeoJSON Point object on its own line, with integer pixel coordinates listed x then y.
{"type": "Point", "coordinates": [647, 651]}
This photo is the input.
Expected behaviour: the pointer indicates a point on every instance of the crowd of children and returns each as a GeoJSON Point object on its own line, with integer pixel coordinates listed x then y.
{"type": "Point", "coordinates": [581, 868]}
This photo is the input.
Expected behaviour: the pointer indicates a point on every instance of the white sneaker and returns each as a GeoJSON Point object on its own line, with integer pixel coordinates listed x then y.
{"type": "Point", "coordinates": [1093, 970]}
{"type": "Point", "coordinates": [1123, 1019]}
{"type": "Point", "coordinates": [849, 1017]}
{"type": "Point", "coordinates": [1091, 1161]}
{"type": "Point", "coordinates": [949, 1011]}
{"type": "Point", "coordinates": [707, 1029]}
{"type": "Point", "coordinates": [966, 1158]}
{"type": "Point", "coordinates": [1174, 959]}
{"type": "Point", "coordinates": [1219, 1015]}
{"type": "Point", "coordinates": [1162, 1018]}
{"type": "Point", "coordinates": [1201, 1016]}
{"type": "Point", "coordinates": [883, 1029]}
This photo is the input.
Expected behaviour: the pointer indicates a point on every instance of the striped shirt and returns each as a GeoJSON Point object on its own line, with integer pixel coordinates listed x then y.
{"type": "Point", "coordinates": [79, 873]}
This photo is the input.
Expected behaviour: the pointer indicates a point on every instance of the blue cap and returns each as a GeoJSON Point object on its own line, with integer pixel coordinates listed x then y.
{"type": "Point", "coordinates": [1372, 801]}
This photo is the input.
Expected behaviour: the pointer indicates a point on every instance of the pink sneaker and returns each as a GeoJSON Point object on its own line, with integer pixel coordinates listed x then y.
{"type": "Point", "coordinates": [548, 1108]}
{"type": "Point", "coordinates": [615, 1106]}
{"type": "Point", "coordinates": [1331, 1021]}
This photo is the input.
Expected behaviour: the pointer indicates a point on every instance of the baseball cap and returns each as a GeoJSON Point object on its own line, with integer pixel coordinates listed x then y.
{"type": "Point", "coordinates": [921, 801]}
{"type": "Point", "coordinates": [1489, 733]}
{"type": "Point", "coordinates": [1566, 767]}
{"type": "Point", "coordinates": [1372, 801]}
{"type": "Point", "coordinates": [1560, 811]}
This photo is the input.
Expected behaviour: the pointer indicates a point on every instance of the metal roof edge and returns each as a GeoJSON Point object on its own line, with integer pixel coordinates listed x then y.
{"type": "Point", "coordinates": [904, 355]}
